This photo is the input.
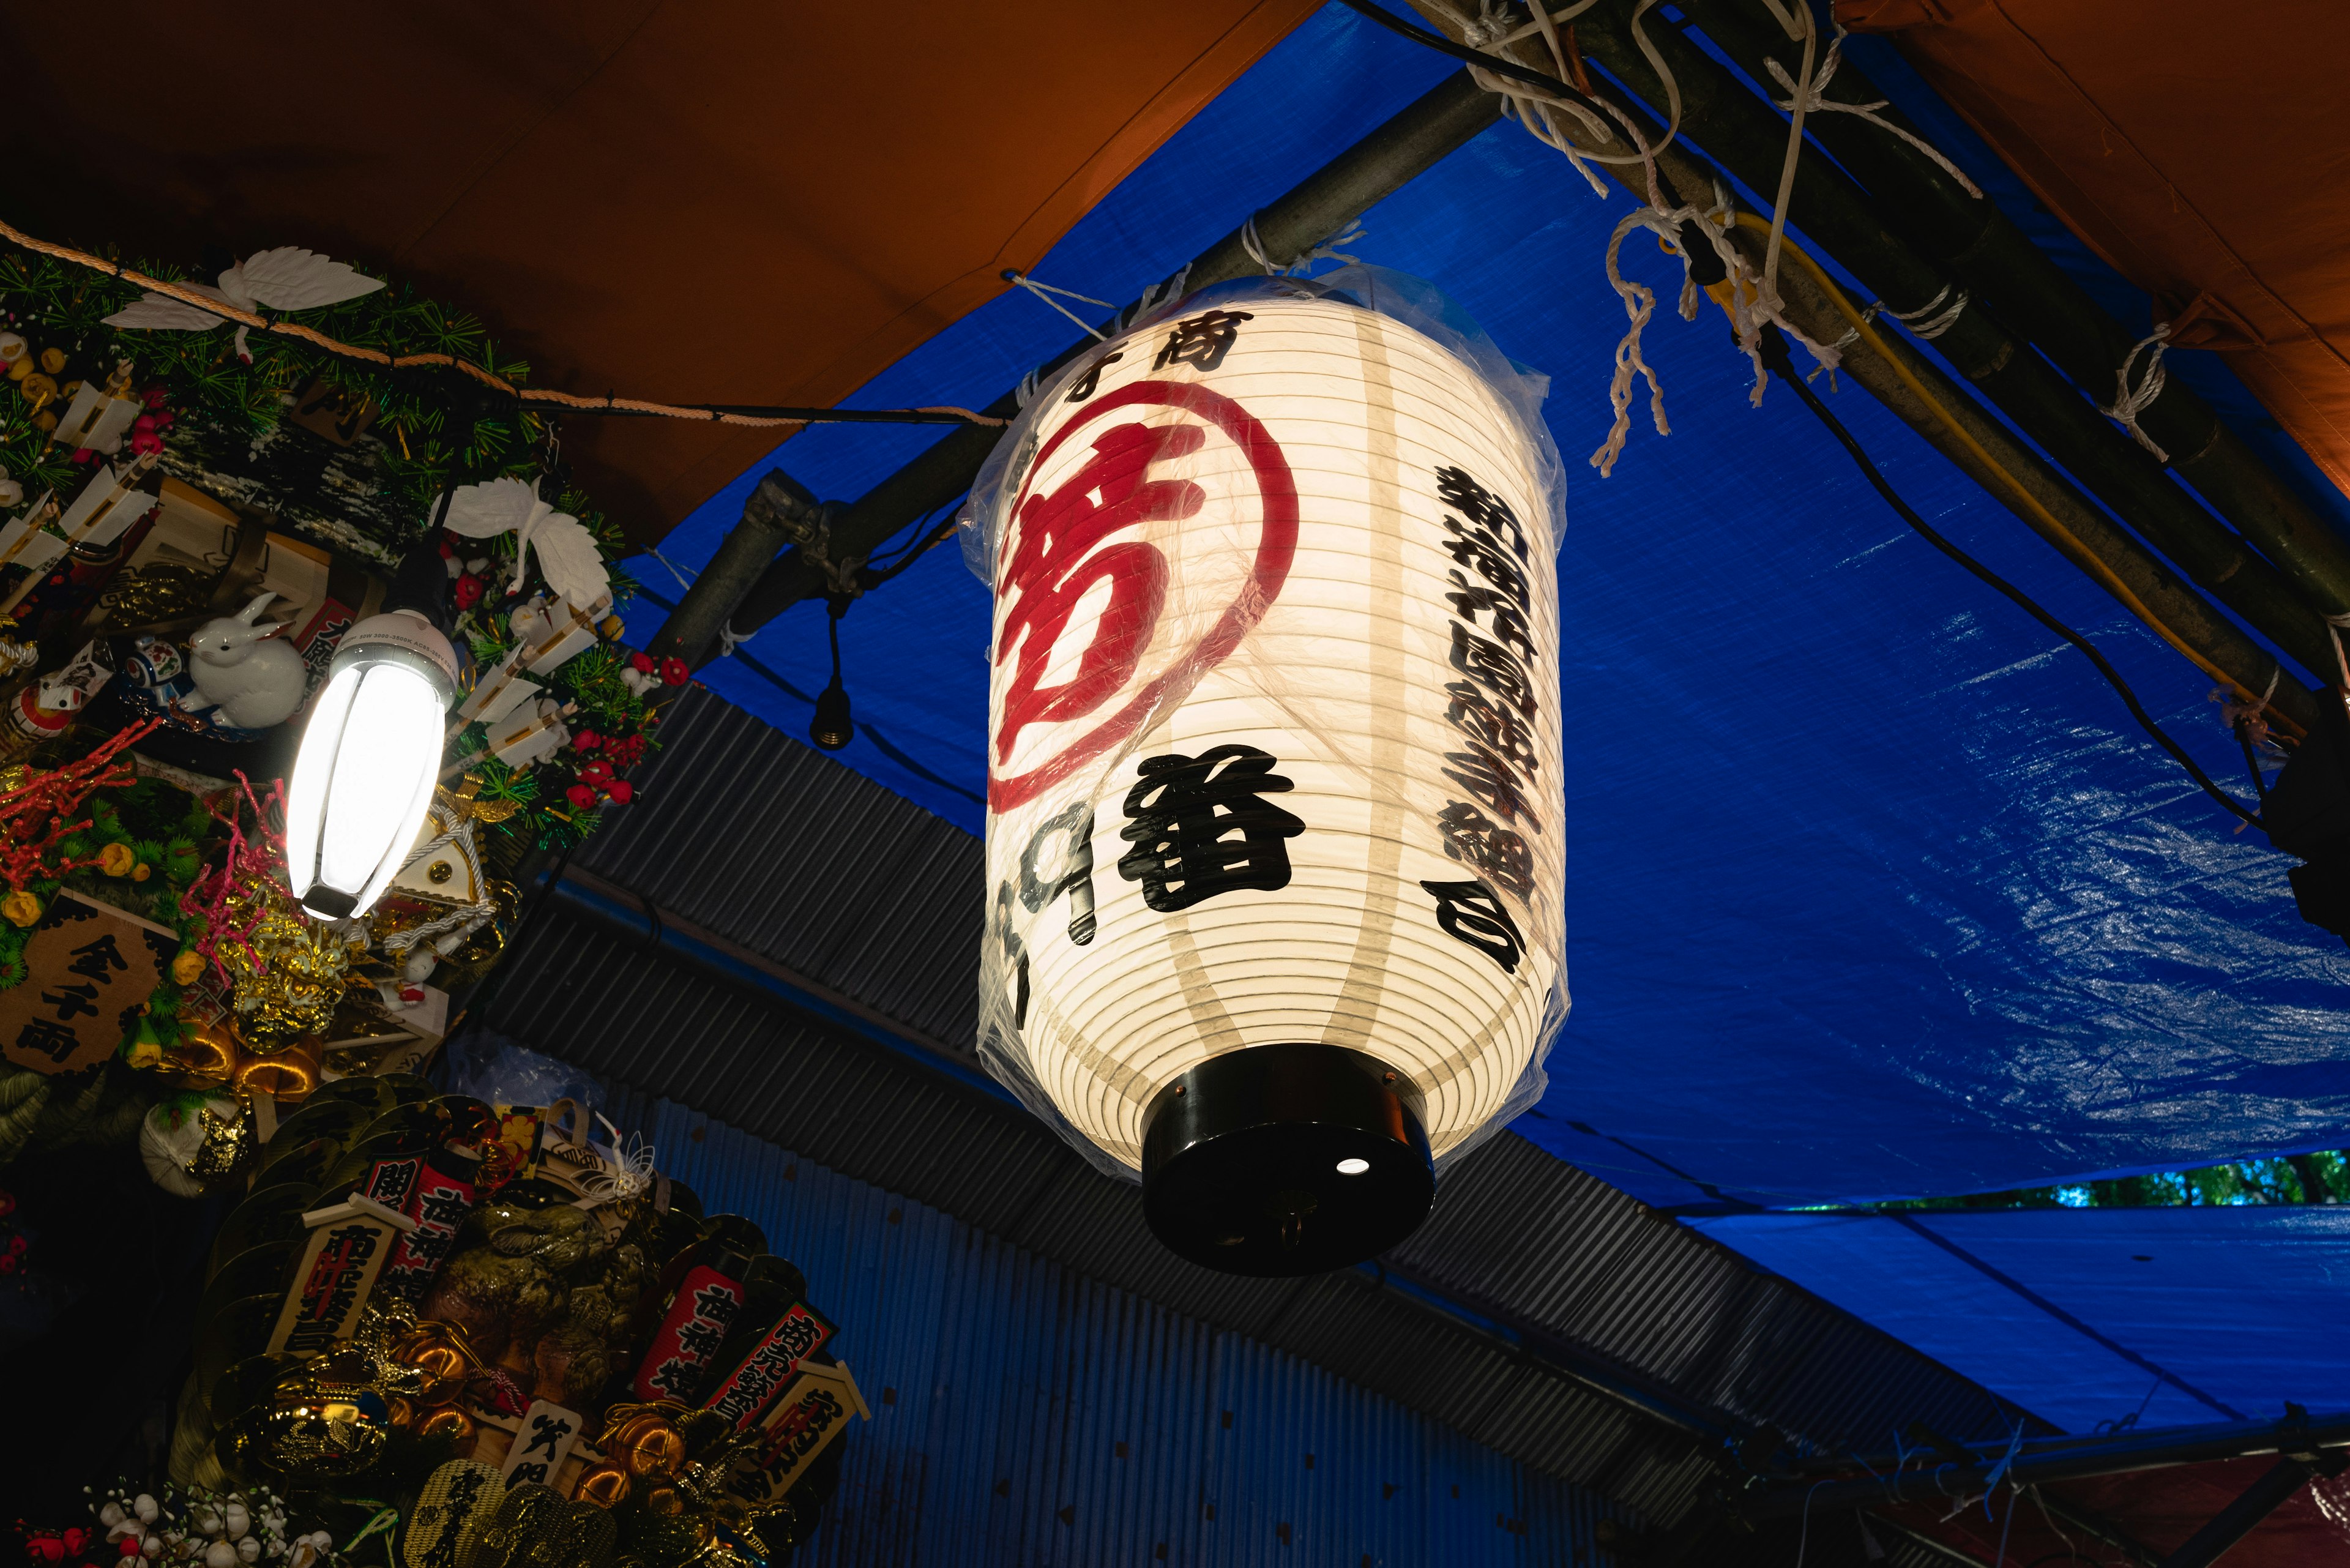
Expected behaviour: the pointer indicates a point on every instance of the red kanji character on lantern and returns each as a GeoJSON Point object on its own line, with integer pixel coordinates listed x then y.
{"type": "Point", "coordinates": [1054, 561]}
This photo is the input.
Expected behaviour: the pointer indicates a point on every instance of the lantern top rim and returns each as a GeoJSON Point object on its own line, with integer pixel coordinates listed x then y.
{"type": "Point", "coordinates": [1410, 301]}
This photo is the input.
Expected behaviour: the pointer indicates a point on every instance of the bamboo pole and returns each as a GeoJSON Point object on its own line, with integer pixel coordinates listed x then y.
{"type": "Point", "coordinates": [1749, 140]}
{"type": "Point", "coordinates": [2023, 284]}
{"type": "Point", "coordinates": [1924, 398]}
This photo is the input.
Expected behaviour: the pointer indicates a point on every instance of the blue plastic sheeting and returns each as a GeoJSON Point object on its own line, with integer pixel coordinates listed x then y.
{"type": "Point", "coordinates": [1873, 889]}
{"type": "Point", "coordinates": [2176, 1316]}
{"type": "Point", "coordinates": [1022, 1415]}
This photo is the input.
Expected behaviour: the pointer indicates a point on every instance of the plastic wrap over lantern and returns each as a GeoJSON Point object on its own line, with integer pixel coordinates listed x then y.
{"type": "Point", "coordinates": [1273, 842]}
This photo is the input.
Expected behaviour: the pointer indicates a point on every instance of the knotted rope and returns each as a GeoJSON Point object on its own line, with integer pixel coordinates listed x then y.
{"type": "Point", "coordinates": [1811, 100]}
{"type": "Point", "coordinates": [1299, 267]}
{"type": "Point", "coordinates": [2129, 401]}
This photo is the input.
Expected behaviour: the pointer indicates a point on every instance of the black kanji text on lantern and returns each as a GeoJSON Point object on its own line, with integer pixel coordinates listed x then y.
{"type": "Point", "coordinates": [1084, 386]}
{"type": "Point", "coordinates": [1200, 827]}
{"type": "Point", "coordinates": [1494, 707]}
{"type": "Point", "coordinates": [1476, 840]}
{"type": "Point", "coordinates": [1072, 829]}
{"type": "Point", "coordinates": [1471, 912]}
{"type": "Point", "coordinates": [1202, 341]}
{"type": "Point", "coordinates": [1482, 508]}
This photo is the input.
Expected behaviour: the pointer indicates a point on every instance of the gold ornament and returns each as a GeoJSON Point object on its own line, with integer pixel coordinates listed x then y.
{"type": "Point", "coordinates": [536, 1528]}
{"type": "Point", "coordinates": [158, 592]}
{"type": "Point", "coordinates": [116, 860]}
{"type": "Point", "coordinates": [187, 967]}
{"type": "Point", "coordinates": [21, 908]}
{"type": "Point", "coordinates": [457, 1499]}
{"type": "Point", "coordinates": [53, 360]}
{"type": "Point", "coordinates": [286, 972]}
{"type": "Point", "coordinates": [205, 1051]}
{"type": "Point", "coordinates": [230, 1143]}
{"type": "Point", "coordinates": [327, 1418]}
{"type": "Point", "coordinates": [291, 1073]}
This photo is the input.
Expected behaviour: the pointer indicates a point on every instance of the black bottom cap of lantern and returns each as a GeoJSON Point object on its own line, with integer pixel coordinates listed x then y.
{"type": "Point", "coordinates": [1285, 1159]}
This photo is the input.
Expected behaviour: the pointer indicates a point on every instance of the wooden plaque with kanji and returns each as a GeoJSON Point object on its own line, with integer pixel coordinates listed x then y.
{"type": "Point", "coordinates": [88, 969]}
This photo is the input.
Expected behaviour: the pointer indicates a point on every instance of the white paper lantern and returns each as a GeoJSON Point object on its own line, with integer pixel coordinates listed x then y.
{"type": "Point", "coordinates": [1275, 760]}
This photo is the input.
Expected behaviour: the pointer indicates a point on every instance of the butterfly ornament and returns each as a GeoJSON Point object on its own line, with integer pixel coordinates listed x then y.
{"type": "Point", "coordinates": [567, 556]}
{"type": "Point", "coordinates": [287, 278]}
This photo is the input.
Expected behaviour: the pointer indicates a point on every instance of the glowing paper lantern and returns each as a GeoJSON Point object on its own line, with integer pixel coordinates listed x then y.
{"type": "Point", "coordinates": [1273, 839]}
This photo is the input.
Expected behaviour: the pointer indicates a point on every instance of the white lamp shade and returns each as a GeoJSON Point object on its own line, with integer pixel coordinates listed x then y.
{"type": "Point", "coordinates": [1274, 713]}
{"type": "Point", "coordinates": [363, 777]}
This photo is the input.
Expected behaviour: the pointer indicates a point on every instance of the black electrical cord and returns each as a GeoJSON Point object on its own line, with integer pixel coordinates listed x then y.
{"type": "Point", "coordinates": [1442, 45]}
{"type": "Point", "coordinates": [2251, 761]}
{"type": "Point", "coordinates": [1776, 358]}
{"type": "Point", "coordinates": [928, 531]}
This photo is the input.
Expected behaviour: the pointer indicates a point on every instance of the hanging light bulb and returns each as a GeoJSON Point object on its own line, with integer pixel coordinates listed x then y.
{"type": "Point", "coordinates": [371, 751]}
{"type": "Point", "coordinates": [832, 728]}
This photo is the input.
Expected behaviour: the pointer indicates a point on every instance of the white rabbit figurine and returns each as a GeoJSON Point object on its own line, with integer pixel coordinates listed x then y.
{"type": "Point", "coordinates": [257, 679]}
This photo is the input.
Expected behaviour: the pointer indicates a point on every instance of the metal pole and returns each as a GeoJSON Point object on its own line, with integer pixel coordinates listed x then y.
{"type": "Point", "coordinates": [778, 512]}
{"type": "Point", "coordinates": [1418, 137]}
{"type": "Point", "coordinates": [2240, 1518]}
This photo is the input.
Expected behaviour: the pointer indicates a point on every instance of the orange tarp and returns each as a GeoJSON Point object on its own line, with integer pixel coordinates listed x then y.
{"type": "Point", "coordinates": [2201, 150]}
{"type": "Point", "coordinates": [721, 201]}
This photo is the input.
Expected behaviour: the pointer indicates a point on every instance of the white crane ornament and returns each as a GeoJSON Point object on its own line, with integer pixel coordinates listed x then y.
{"type": "Point", "coordinates": [286, 278]}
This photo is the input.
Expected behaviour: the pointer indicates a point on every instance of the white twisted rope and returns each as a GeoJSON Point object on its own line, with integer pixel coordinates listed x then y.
{"type": "Point", "coordinates": [2129, 401]}
{"type": "Point", "coordinates": [465, 920]}
{"type": "Point", "coordinates": [1931, 319]}
{"type": "Point", "coordinates": [1810, 99]}
{"type": "Point", "coordinates": [1300, 267]}
{"type": "Point", "coordinates": [1045, 291]}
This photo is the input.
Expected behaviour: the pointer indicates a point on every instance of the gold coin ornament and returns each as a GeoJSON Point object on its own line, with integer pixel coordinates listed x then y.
{"type": "Point", "coordinates": [327, 1418]}
{"type": "Point", "coordinates": [193, 1143]}
{"type": "Point", "coordinates": [458, 1499]}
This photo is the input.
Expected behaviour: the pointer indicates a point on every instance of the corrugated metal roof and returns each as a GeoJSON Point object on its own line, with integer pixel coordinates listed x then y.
{"type": "Point", "coordinates": [763, 841]}
{"type": "Point", "coordinates": [833, 883]}
{"type": "Point", "coordinates": [1022, 1413]}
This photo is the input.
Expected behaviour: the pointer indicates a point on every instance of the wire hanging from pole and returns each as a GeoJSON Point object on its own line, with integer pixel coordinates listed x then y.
{"type": "Point", "coordinates": [1777, 356]}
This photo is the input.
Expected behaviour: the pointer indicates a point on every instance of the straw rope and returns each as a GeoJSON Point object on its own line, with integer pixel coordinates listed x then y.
{"type": "Point", "coordinates": [533, 397]}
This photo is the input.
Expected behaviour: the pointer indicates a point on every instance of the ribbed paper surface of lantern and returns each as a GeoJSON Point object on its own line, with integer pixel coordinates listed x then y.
{"type": "Point", "coordinates": [1274, 743]}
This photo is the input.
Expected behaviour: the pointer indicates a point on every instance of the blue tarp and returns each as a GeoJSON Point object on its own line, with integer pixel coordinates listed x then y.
{"type": "Point", "coordinates": [2171, 1317]}
{"type": "Point", "coordinates": [1874, 887]}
